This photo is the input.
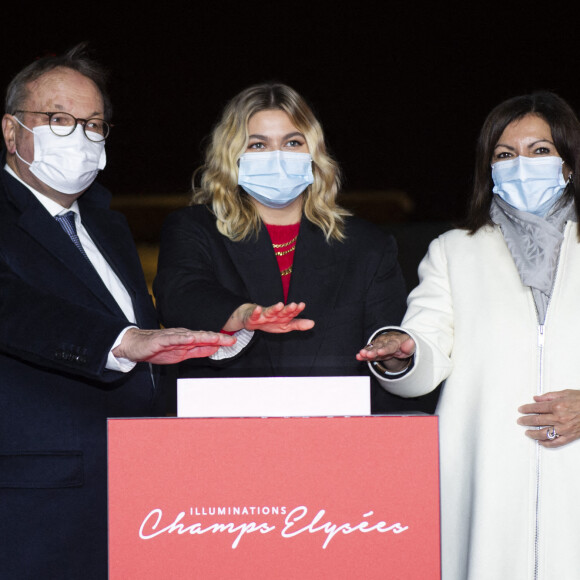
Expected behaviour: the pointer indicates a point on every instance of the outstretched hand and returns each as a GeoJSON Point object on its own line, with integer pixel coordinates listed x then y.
{"type": "Point", "coordinates": [278, 318]}
{"type": "Point", "coordinates": [392, 349]}
{"type": "Point", "coordinates": [169, 345]}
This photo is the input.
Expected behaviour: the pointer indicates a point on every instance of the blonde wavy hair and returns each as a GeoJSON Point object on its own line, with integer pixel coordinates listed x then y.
{"type": "Point", "coordinates": [237, 217]}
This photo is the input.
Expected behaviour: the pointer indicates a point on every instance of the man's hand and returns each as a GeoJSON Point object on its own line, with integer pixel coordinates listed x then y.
{"type": "Point", "coordinates": [169, 345]}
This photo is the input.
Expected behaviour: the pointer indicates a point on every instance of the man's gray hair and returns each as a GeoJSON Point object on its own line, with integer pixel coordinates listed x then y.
{"type": "Point", "coordinates": [76, 59]}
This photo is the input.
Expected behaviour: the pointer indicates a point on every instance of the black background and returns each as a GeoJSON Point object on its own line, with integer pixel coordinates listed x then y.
{"type": "Point", "coordinates": [400, 88]}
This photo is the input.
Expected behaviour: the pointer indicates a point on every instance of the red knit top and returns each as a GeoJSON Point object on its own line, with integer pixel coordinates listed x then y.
{"type": "Point", "coordinates": [284, 243]}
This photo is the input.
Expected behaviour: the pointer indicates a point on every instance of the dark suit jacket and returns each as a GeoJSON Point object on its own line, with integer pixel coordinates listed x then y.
{"type": "Point", "coordinates": [58, 323]}
{"type": "Point", "coordinates": [350, 288]}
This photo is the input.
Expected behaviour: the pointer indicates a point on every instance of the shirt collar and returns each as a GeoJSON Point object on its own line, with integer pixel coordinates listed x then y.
{"type": "Point", "coordinates": [51, 206]}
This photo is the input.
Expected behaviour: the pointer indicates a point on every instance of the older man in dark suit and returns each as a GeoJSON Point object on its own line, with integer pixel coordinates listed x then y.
{"type": "Point", "coordinates": [79, 337]}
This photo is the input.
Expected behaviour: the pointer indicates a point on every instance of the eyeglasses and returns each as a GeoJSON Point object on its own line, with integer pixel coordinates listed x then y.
{"type": "Point", "coordinates": [63, 124]}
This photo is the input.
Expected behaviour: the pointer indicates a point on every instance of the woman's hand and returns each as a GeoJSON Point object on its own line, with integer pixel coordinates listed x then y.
{"type": "Point", "coordinates": [277, 318]}
{"type": "Point", "coordinates": [392, 349]}
{"type": "Point", "coordinates": [557, 413]}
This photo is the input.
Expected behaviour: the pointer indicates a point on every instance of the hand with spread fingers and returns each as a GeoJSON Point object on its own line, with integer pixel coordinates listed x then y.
{"type": "Point", "coordinates": [278, 318]}
{"type": "Point", "coordinates": [557, 414]}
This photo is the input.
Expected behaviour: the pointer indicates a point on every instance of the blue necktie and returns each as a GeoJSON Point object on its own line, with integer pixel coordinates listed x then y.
{"type": "Point", "coordinates": [67, 221]}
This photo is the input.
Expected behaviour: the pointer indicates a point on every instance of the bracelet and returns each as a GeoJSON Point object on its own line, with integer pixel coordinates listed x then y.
{"type": "Point", "coordinates": [386, 371]}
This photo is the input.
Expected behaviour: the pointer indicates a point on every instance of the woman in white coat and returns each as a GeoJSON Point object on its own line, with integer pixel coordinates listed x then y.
{"type": "Point", "coordinates": [496, 319]}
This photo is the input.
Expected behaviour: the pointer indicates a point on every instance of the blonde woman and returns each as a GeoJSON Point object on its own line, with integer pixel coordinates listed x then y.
{"type": "Point", "coordinates": [264, 251]}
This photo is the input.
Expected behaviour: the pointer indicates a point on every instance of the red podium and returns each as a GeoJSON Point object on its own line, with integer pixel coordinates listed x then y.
{"type": "Point", "coordinates": [274, 498]}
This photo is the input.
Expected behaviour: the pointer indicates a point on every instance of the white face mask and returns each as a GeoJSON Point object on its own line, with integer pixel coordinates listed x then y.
{"type": "Point", "coordinates": [275, 178]}
{"type": "Point", "coordinates": [67, 164]}
{"type": "Point", "coordinates": [531, 184]}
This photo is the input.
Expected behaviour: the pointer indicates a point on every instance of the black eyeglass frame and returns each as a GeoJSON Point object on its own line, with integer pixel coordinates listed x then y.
{"type": "Point", "coordinates": [81, 122]}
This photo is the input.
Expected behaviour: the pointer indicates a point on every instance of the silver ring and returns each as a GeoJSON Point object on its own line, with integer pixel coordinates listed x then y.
{"type": "Point", "coordinates": [552, 434]}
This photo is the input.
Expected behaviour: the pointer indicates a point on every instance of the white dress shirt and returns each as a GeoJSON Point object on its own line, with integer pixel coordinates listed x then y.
{"type": "Point", "coordinates": [110, 279]}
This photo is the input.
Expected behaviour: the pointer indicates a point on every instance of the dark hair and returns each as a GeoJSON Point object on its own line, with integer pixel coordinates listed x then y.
{"type": "Point", "coordinates": [565, 130]}
{"type": "Point", "coordinates": [76, 59]}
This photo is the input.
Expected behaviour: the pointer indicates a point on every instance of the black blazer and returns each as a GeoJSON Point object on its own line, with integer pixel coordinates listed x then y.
{"type": "Point", "coordinates": [58, 322]}
{"type": "Point", "coordinates": [350, 289]}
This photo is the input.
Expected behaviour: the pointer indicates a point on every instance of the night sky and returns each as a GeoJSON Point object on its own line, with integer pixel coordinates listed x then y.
{"type": "Point", "coordinates": [401, 91]}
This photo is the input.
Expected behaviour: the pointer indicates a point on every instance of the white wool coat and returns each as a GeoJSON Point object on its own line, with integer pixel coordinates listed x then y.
{"type": "Point", "coordinates": [510, 508]}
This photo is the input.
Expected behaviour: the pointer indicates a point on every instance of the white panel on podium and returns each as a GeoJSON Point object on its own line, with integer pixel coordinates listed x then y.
{"type": "Point", "coordinates": [273, 397]}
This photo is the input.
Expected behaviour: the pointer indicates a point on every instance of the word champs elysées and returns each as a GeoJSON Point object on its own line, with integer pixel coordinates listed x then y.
{"type": "Point", "coordinates": [297, 522]}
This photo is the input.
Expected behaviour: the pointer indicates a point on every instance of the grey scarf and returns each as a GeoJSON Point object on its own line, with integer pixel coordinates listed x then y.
{"type": "Point", "coordinates": [534, 244]}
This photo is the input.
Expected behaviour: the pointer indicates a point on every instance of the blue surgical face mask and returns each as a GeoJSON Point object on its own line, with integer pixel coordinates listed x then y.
{"type": "Point", "coordinates": [275, 178]}
{"type": "Point", "coordinates": [531, 184]}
